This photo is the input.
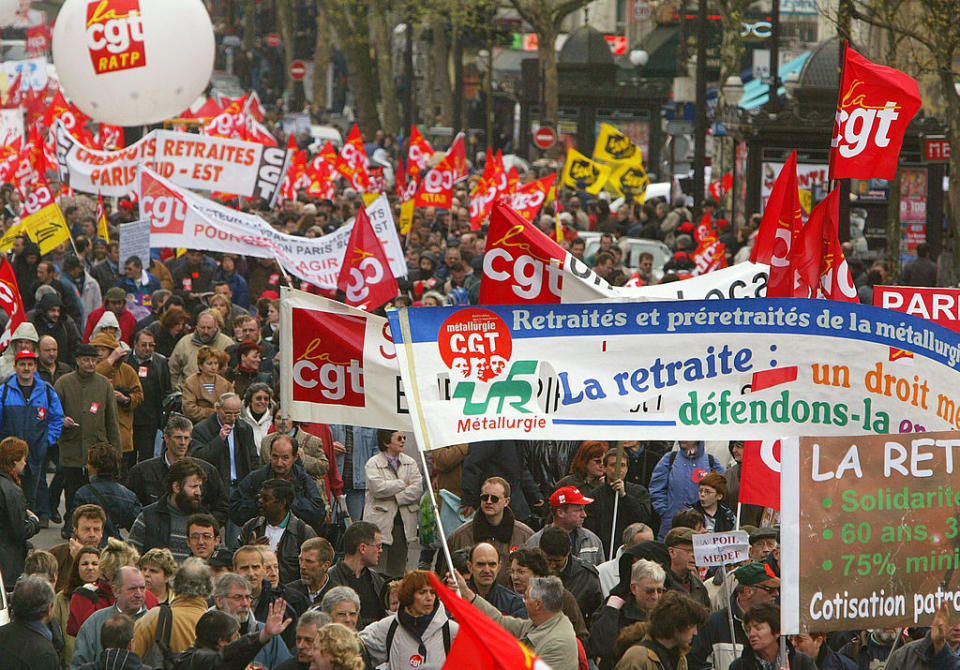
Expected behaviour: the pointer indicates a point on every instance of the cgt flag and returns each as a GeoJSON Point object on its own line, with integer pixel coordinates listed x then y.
{"type": "Point", "coordinates": [760, 473]}
{"type": "Point", "coordinates": [365, 276]}
{"type": "Point", "coordinates": [584, 174]}
{"type": "Point", "coordinates": [779, 229]}
{"type": "Point", "coordinates": [10, 302]}
{"type": "Point", "coordinates": [480, 642]}
{"type": "Point", "coordinates": [875, 106]}
{"type": "Point", "coordinates": [821, 269]}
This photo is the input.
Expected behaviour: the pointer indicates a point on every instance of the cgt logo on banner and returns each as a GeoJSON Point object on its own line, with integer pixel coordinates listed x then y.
{"type": "Point", "coordinates": [710, 369]}
{"type": "Point", "coordinates": [344, 364]}
{"type": "Point", "coordinates": [875, 106]}
{"type": "Point", "coordinates": [115, 35]}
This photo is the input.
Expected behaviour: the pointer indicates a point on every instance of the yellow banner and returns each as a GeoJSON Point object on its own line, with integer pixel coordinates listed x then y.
{"type": "Point", "coordinates": [613, 146]}
{"type": "Point", "coordinates": [630, 179]}
{"type": "Point", "coordinates": [46, 227]}
{"type": "Point", "coordinates": [406, 216]}
{"type": "Point", "coordinates": [584, 174]}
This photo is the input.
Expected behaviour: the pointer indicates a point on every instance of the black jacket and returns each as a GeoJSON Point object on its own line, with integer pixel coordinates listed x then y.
{"type": "Point", "coordinates": [605, 626]}
{"type": "Point", "coordinates": [499, 458]}
{"type": "Point", "coordinates": [148, 480]}
{"type": "Point", "coordinates": [15, 529]}
{"type": "Point", "coordinates": [716, 630]}
{"type": "Point", "coordinates": [154, 376]}
{"type": "Point", "coordinates": [116, 659]}
{"type": "Point", "coordinates": [208, 445]}
{"type": "Point", "coordinates": [64, 331]}
{"type": "Point", "coordinates": [697, 590]}
{"type": "Point", "coordinates": [583, 581]}
{"type": "Point", "coordinates": [369, 588]}
{"type": "Point", "coordinates": [796, 659]}
{"type": "Point", "coordinates": [24, 648]}
{"type": "Point", "coordinates": [632, 507]}
{"type": "Point", "coordinates": [298, 590]}
{"type": "Point", "coordinates": [262, 610]}
{"type": "Point", "coordinates": [724, 519]}
{"type": "Point", "coordinates": [288, 549]}
{"type": "Point", "coordinates": [308, 504]}
{"type": "Point", "coordinates": [235, 656]}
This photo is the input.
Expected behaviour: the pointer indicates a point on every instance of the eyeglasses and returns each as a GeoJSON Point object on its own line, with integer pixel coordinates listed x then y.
{"type": "Point", "coordinates": [489, 497]}
{"type": "Point", "coordinates": [378, 545]}
{"type": "Point", "coordinates": [201, 536]}
{"type": "Point", "coordinates": [238, 597]}
{"type": "Point", "coordinates": [654, 589]}
{"type": "Point", "coordinates": [769, 589]}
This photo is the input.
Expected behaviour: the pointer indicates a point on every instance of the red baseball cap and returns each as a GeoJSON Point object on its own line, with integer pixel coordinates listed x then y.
{"type": "Point", "coordinates": [26, 353]}
{"type": "Point", "coordinates": [568, 495]}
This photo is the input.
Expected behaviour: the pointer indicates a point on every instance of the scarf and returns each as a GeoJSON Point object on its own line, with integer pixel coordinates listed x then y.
{"type": "Point", "coordinates": [484, 532]}
{"type": "Point", "coordinates": [417, 625]}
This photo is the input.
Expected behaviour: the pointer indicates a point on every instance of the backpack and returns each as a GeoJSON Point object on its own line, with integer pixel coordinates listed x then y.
{"type": "Point", "coordinates": [713, 462]}
{"type": "Point", "coordinates": [445, 630]}
{"type": "Point", "coordinates": [162, 657]}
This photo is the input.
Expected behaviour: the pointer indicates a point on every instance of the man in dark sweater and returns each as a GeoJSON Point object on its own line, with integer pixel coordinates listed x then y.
{"type": "Point", "coordinates": [362, 545]}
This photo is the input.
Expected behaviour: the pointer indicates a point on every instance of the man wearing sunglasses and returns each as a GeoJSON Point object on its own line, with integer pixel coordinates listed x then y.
{"type": "Point", "coordinates": [495, 524]}
{"type": "Point", "coordinates": [757, 583]}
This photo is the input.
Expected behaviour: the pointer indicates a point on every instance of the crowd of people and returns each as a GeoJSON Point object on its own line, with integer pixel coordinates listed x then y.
{"type": "Point", "coordinates": [202, 529]}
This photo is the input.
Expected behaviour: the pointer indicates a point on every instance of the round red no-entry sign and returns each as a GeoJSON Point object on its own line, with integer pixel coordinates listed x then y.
{"type": "Point", "coordinates": [273, 40]}
{"type": "Point", "coordinates": [545, 137]}
{"type": "Point", "coordinates": [298, 69]}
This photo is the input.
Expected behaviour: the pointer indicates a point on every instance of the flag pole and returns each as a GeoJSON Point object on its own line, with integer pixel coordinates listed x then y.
{"type": "Point", "coordinates": [423, 444]}
{"type": "Point", "coordinates": [739, 511]}
{"type": "Point", "coordinates": [616, 499]}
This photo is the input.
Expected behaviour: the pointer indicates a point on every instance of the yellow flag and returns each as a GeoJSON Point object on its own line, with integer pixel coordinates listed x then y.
{"type": "Point", "coordinates": [369, 198]}
{"type": "Point", "coordinates": [406, 216]}
{"type": "Point", "coordinates": [584, 174]}
{"type": "Point", "coordinates": [631, 179]}
{"type": "Point", "coordinates": [103, 232]}
{"type": "Point", "coordinates": [46, 227]}
{"type": "Point", "coordinates": [613, 146]}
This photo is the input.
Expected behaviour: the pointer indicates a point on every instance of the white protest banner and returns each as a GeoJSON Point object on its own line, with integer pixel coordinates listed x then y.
{"type": "Point", "coordinates": [182, 219]}
{"type": "Point", "coordinates": [674, 370]}
{"type": "Point", "coordinates": [342, 366]}
{"type": "Point", "coordinates": [711, 549]}
{"type": "Point", "coordinates": [872, 526]}
{"type": "Point", "coordinates": [11, 125]}
{"type": "Point", "coordinates": [523, 265]}
{"type": "Point", "coordinates": [199, 162]}
{"type": "Point", "coordinates": [32, 72]}
{"type": "Point", "coordinates": [135, 241]}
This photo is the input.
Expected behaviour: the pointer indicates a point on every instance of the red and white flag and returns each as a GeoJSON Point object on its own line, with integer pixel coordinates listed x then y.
{"type": "Point", "coordinates": [365, 277]}
{"type": "Point", "coordinates": [10, 302]}
{"type": "Point", "coordinates": [760, 473]}
{"type": "Point", "coordinates": [779, 229]}
{"type": "Point", "coordinates": [352, 162]}
{"type": "Point", "coordinates": [436, 187]}
{"type": "Point", "coordinates": [528, 199]}
{"type": "Point", "coordinates": [876, 104]}
{"type": "Point", "coordinates": [821, 268]}
{"type": "Point", "coordinates": [418, 154]}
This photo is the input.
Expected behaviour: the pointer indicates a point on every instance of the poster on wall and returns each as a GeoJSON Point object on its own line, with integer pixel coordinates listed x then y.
{"type": "Point", "coordinates": [913, 211]}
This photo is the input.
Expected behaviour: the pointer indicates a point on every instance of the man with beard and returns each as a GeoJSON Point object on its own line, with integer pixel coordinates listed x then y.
{"type": "Point", "coordinates": [183, 360]}
{"type": "Point", "coordinates": [164, 523]}
{"type": "Point", "coordinates": [231, 593]}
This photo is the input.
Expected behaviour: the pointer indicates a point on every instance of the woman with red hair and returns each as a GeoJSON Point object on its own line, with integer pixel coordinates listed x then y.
{"type": "Point", "coordinates": [586, 468]}
{"type": "Point", "coordinates": [17, 523]}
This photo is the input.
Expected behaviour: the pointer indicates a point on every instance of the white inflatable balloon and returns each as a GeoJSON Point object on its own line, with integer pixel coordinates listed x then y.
{"type": "Point", "coordinates": [11, 10]}
{"type": "Point", "coordinates": [133, 62]}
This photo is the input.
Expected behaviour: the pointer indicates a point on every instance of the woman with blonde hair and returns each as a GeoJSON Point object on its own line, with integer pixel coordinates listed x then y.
{"type": "Point", "coordinates": [17, 524]}
{"type": "Point", "coordinates": [336, 647]}
{"type": "Point", "coordinates": [202, 388]}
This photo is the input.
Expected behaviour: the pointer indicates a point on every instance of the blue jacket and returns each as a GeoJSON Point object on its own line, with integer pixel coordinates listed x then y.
{"type": "Point", "coordinates": [38, 421]}
{"type": "Point", "coordinates": [137, 289]}
{"type": "Point", "coordinates": [364, 448]}
{"type": "Point", "coordinates": [238, 285]}
{"type": "Point", "coordinates": [308, 504]}
{"type": "Point", "coordinates": [672, 486]}
{"type": "Point", "coordinates": [122, 505]}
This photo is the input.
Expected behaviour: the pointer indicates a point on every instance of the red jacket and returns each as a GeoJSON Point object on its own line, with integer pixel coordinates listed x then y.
{"type": "Point", "coordinates": [128, 323]}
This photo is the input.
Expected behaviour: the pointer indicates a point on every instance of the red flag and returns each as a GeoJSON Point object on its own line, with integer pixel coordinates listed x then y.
{"type": "Point", "coordinates": [208, 110]}
{"type": "Point", "coordinates": [821, 269]}
{"type": "Point", "coordinates": [15, 92]}
{"type": "Point", "coordinates": [876, 104]}
{"type": "Point", "coordinates": [529, 198]}
{"type": "Point", "coordinates": [457, 159]}
{"type": "Point", "coordinates": [352, 162]}
{"type": "Point", "coordinates": [484, 193]}
{"type": "Point", "coordinates": [400, 182]}
{"type": "Point", "coordinates": [513, 180]}
{"type": "Point", "coordinates": [365, 276]}
{"type": "Point", "coordinates": [436, 187]}
{"type": "Point", "coordinates": [38, 40]}
{"type": "Point", "coordinates": [778, 231]}
{"type": "Point", "coordinates": [760, 473]}
{"type": "Point", "coordinates": [39, 197]}
{"type": "Point", "coordinates": [10, 302]}
{"type": "Point", "coordinates": [481, 643]}
{"type": "Point", "coordinates": [418, 154]}
{"type": "Point", "coordinates": [328, 153]}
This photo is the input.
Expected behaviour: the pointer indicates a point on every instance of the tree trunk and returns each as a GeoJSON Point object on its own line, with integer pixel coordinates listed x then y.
{"type": "Point", "coordinates": [249, 23]}
{"type": "Point", "coordinates": [440, 55]}
{"type": "Point", "coordinates": [893, 227]}
{"type": "Point", "coordinates": [321, 58]}
{"type": "Point", "coordinates": [546, 39]}
{"type": "Point", "coordinates": [382, 41]}
{"type": "Point", "coordinates": [458, 90]}
{"type": "Point", "coordinates": [349, 21]}
{"type": "Point", "coordinates": [288, 34]}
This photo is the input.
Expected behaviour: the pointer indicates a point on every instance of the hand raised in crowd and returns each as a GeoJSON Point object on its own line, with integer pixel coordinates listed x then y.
{"type": "Point", "coordinates": [617, 485]}
{"type": "Point", "coordinates": [116, 354]}
{"type": "Point", "coordinates": [225, 431]}
{"type": "Point", "coordinates": [275, 623]}
{"type": "Point", "coordinates": [75, 546]}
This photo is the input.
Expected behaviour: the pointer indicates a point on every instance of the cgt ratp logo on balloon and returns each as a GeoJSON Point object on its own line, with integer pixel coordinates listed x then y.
{"type": "Point", "coordinates": [133, 62]}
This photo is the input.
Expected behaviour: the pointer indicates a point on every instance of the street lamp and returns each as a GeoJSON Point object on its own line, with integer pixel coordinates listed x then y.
{"type": "Point", "coordinates": [639, 57]}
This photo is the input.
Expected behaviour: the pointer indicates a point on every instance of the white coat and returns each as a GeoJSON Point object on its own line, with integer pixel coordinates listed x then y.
{"type": "Point", "coordinates": [404, 646]}
{"type": "Point", "coordinates": [388, 491]}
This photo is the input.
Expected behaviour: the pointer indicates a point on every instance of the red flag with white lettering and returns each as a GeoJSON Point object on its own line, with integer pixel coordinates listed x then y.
{"type": "Point", "coordinates": [876, 104]}
{"type": "Point", "coordinates": [529, 198]}
{"type": "Point", "coordinates": [10, 302]}
{"type": "Point", "coordinates": [365, 277]}
{"type": "Point", "coordinates": [821, 269]}
{"type": "Point", "coordinates": [418, 154]}
{"type": "Point", "coordinates": [778, 231]}
{"type": "Point", "coordinates": [760, 473]}
{"type": "Point", "coordinates": [352, 162]}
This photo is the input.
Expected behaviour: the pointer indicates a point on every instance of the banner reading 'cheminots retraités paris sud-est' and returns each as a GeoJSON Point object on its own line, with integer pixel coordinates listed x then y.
{"type": "Point", "coordinates": [690, 370]}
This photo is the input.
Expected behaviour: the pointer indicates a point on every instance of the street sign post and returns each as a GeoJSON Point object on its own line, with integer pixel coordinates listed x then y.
{"type": "Point", "coordinates": [298, 70]}
{"type": "Point", "coordinates": [545, 137]}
